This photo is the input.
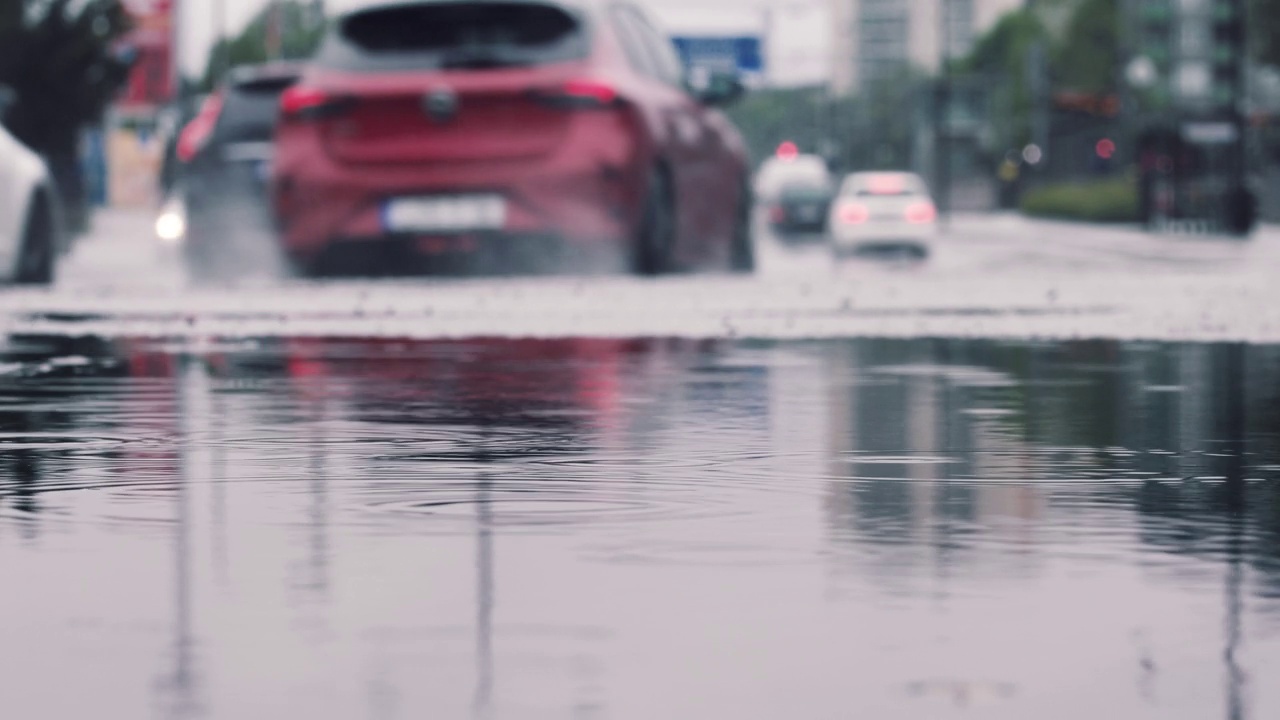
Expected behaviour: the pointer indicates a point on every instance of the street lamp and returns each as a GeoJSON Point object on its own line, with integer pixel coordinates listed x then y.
{"type": "Point", "coordinates": [1142, 73]}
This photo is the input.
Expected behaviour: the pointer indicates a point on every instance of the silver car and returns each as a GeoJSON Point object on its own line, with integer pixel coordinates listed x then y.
{"type": "Point", "coordinates": [883, 210]}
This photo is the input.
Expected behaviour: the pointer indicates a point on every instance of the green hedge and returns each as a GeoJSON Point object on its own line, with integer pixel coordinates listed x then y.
{"type": "Point", "coordinates": [1114, 200]}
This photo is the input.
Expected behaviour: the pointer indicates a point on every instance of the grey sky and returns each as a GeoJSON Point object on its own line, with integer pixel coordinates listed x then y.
{"type": "Point", "coordinates": [797, 44]}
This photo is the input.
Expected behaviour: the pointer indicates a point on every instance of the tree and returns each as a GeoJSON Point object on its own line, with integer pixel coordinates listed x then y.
{"type": "Point", "coordinates": [767, 117]}
{"type": "Point", "coordinates": [301, 29]}
{"type": "Point", "coordinates": [1001, 56]}
{"type": "Point", "coordinates": [1089, 54]}
{"type": "Point", "coordinates": [58, 56]}
{"type": "Point", "coordinates": [1081, 39]}
{"type": "Point", "coordinates": [1264, 31]}
{"type": "Point", "coordinates": [884, 131]}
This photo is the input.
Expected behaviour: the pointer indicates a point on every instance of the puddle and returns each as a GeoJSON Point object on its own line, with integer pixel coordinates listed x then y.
{"type": "Point", "coordinates": [638, 528]}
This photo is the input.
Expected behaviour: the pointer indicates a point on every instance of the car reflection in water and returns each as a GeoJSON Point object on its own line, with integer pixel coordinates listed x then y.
{"type": "Point", "coordinates": [383, 414]}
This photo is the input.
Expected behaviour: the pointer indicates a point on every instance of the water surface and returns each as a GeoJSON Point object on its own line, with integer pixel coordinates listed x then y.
{"type": "Point", "coordinates": [639, 529]}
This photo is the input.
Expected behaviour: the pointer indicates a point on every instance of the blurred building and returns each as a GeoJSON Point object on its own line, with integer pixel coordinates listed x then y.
{"type": "Point", "coordinates": [874, 39]}
{"type": "Point", "coordinates": [152, 79]}
{"type": "Point", "coordinates": [124, 161]}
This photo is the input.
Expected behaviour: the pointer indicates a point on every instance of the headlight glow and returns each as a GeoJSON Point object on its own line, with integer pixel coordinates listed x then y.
{"type": "Point", "coordinates": [170, 226]}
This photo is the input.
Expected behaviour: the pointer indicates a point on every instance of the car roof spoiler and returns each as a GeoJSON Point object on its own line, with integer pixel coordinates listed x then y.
{"type": "Point", "coordinates": [271, 73]}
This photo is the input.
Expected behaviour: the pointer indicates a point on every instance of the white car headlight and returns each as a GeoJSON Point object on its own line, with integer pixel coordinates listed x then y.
{"type": "Point", "coordinates": [171, 225]}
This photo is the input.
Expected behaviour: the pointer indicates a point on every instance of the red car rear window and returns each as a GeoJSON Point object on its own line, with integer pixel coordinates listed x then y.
{"type": "Point", "coordinates": [463, 35]}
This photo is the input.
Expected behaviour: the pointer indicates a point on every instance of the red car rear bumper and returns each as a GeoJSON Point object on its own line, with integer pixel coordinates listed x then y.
{"type": "Point", "coordinates": [588, 194]}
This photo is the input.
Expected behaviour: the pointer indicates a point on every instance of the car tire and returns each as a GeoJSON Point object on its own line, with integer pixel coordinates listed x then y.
{"type": "Point", "coordinates": [653, 246]}
{"type": "Point", "coordinates": [300, 268]}
{"type": "Point", "coordinates": [36, 261]}
{"type": "Point", "coordinates": [742, 251]}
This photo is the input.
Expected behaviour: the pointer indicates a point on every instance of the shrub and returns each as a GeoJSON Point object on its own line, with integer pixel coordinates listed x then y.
{"type": "Point", "coordinates": [1113, 200]}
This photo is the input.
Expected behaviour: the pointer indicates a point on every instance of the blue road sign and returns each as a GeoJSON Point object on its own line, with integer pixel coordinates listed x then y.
{"type": "Point", "coordinates": [727, 53]}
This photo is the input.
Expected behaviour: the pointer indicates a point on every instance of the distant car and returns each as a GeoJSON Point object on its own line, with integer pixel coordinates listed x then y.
{"type": "Point", "coordinates": [801, 208]}
{"type": "Point", "coordinates": [224, 155]}
{"type": "Point", "coordinates": [30, 239]}
{"type": "Point", "coordinates": [881, 211]}
{"type": "Point", "coordinates": [559, 129]}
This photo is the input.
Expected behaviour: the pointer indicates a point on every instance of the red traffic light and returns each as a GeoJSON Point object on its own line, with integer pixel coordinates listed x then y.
{"type": "Point", "coordinates": [1105, 148]}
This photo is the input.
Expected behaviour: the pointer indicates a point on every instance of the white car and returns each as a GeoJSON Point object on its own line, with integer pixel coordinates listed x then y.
{"type": "Point", "coordinates": [29, 228]}
{"type": "Point", "coordinates": [882, 211]}
{"type": "Point", "coordinates": [790, 168]}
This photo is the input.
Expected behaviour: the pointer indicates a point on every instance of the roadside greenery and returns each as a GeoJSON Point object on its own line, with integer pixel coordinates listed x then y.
{"type": "Point", "coordinates": [1110, 200]}
{"type": "Point", "coordinates": [1087, 57]}
{"type": "Point", "coordinates": [767, 117]}
{"type": "Point", "coordinates": [1081, 44]}
{"type": "Point", "coordinates": [301, 27]}
{"type": "Point", "coordinates": [1264, 31]}
{"type": "Point", "coordinates": [874, 130]}
{"type": "Point", "coordinates": [1001, 54]}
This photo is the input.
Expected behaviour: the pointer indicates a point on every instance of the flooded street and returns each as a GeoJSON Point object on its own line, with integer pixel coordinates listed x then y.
{"type": "Point", "coordinates": [639, 529]}
{"type": "Point", "coordinates": [992, 276]}
{"type": "Point", "coordinates": [639, 360]}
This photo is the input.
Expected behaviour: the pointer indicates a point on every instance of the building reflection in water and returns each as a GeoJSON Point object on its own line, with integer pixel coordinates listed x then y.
{"type": "Point", "coordinates": [936, 445]}
{"type": "Point", "coordinates": [907, 421]}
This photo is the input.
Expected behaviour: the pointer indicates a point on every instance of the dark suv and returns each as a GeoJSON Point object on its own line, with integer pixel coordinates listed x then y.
{"type": "Point", "coordinates": [224, 156]}
{"type": "Point", "coordinates": [801, 208]}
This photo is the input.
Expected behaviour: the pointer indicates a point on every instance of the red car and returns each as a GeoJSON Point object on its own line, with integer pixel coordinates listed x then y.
{"type": "Point", "coordinates": [568, 128]}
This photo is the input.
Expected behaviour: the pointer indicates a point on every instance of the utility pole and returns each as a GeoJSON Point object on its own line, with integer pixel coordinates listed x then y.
{"type": "Point", "coordinates": [766, 33]}
{"type": "Point", "coordinates": [220, 57]}
{"type": "Point", "coordinates": [274, 31]}
{"type": "Point", "coordinates": [1243, 203]}
{"type": "Point", "coordinates": [1041, 97]}
{"type": "Point", "coordinates": [942, 120]}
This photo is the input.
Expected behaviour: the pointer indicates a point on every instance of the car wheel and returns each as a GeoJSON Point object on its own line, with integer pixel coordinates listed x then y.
{"type": "Point", "coordinates": [655, 238]}
{"type": "Point", "coordinates": [321, 265]}
{"type": "Point", "coordinates": [35, 264]}
{"type": "Point", "coordinates": [301, 268]}
{"type": "Point", "coordinates": [742, 252]}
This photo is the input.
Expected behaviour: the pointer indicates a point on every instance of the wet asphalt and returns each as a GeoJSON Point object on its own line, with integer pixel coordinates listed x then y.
{"type": "Point", "coordinates": [201, 524]}
{"type": "Point", "coordinates": [998, 276]}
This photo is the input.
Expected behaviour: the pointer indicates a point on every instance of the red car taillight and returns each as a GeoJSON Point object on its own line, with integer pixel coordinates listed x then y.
{"type": "Point", "coordinates": [581, 94]}
{"type": "Point", "coordinates": [308, 103]}
{"type": "Point", "coordinates": [920, 213]}
{"type": "Point", "coordinates": [852, 213]}
{"type": "Point", "coordinates": [197, 133]}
